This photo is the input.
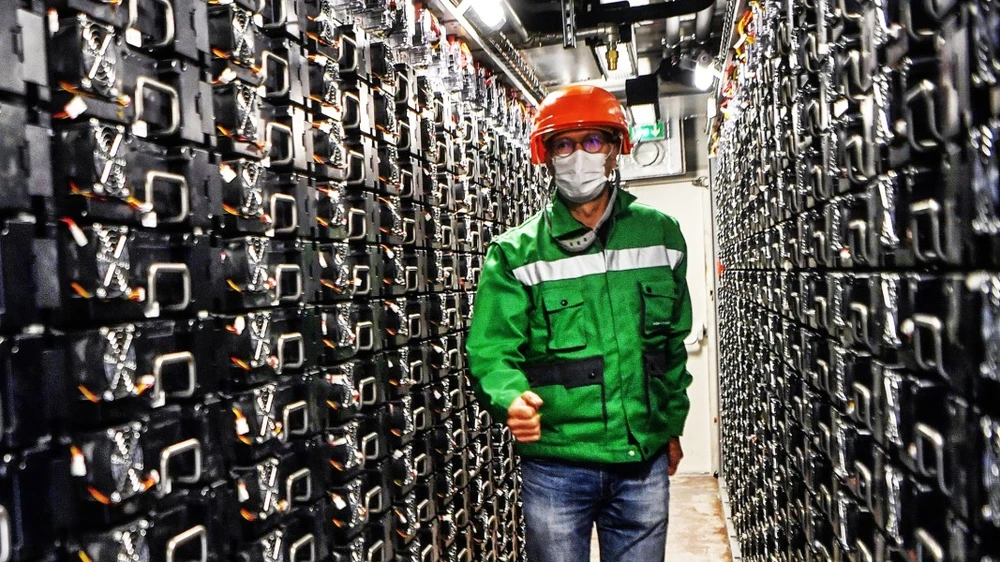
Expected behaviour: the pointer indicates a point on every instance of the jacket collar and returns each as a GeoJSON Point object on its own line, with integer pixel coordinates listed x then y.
{"type": "Point", "coordinates": [563, 225]}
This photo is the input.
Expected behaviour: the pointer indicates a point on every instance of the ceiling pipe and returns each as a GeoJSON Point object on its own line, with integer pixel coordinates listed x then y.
{"type": "Point", "coordinates": [672, 38]}
{"type": "Point", "coordinates": [703, 25]}
{"type": "Point", "coordinates": [621, 13]}
{"type": "Point", "coordinates": [581, 35]}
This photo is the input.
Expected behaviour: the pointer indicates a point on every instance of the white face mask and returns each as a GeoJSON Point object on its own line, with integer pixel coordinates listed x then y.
{"type": "Point", "coordinates": [581, 176]}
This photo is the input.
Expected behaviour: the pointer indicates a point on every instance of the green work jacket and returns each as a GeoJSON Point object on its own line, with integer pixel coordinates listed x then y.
{"type": "Point", "coordinates": [598, 335]}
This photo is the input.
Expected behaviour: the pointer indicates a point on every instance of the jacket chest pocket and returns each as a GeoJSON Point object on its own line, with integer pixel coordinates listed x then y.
{"type": "Point", "coordinates": [658, 298]}
{"type": "Point", "coordinates": [565, 316]}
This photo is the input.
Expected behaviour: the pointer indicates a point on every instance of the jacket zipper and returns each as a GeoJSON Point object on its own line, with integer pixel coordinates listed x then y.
{"type": "Point", "coordinates": [607, 284]}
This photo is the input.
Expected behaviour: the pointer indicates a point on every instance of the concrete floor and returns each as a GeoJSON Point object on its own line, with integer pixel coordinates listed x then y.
{"type": "Point", "coordinates": [697, 531]}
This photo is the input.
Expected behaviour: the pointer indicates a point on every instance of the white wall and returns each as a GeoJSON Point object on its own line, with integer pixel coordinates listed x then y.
{"type": "Point", "coordinates": [691, 206]}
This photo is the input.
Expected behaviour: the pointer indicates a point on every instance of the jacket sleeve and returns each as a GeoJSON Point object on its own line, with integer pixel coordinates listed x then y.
{"type": "Point", "coordinates": [679, 404]}
{"type": "Point", "coordinates": [497, 336]}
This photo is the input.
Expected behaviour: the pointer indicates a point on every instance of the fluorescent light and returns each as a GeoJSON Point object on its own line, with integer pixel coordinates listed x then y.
{"type": "Point", "coordinates": [626, 64]}
{"type": "Point", "coordinates": [489, 12]}
{"type": "Point", "coordinates": [643, 114]}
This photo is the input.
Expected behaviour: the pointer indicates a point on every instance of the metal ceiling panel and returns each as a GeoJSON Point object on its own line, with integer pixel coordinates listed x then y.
{"type": "Point", "coordinates": [556, 66]}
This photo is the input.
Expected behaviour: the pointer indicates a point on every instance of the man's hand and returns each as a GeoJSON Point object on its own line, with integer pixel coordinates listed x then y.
{"type": "Point", "coordinates": [523, 419]}
{"type": "Point", "coordinates": [675, 454]}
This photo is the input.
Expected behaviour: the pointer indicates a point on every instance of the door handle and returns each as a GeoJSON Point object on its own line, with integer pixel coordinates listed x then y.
{"type": "Point", "coordinates": [693, 342]}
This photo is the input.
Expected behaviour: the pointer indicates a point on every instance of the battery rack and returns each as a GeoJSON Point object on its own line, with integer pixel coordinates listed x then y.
{"type": "Point", "coordinates": [239, 252]}
{"type": "Point", "coordinates": [855, 192]}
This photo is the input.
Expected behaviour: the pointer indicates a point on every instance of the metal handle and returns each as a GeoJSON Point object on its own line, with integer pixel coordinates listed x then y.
{"type": "Point", "coordinates": [931, 208]}
{"type": "Point", "coordinates": [285, 339]}
{"type": "Point", "coordinates": [420, 418]}
{"type": "Point", "coordinates": [6, 542]}
{"type": "Point", "coordinates": [461, 518]}
{"type": "Point", "coordinates": [350, 98]}
{"type": "Point", "coordinates": [933, 325]}
{"type": "Point", "coordinates": [169, 31]}
{"type": "Point", "coordinates": [923, 93]}
{"type": "Point", "coordinates": [153, 305]}
{"type": "Point", "coordinates": [862, 163]}
{"type": "Point", "coordinates": [447, 237]}
{"type": "Point", "coordinates": [269, 135]}
{"type": "Point", "coordinates": [350, 224]}
{"type": "Point", "coordinates": [824, 439]}
{"type": "Point", "coordinates": [185, 199]}
{"type": "Point", "coordinates": [860, 227]}
{"type": "Point", "coordinates": [348, 47]}
{"type": "Point", "coordinates": [454, 358]}
{"type": "Point", "coordinates": [928, 548]}
{"type": "Point", "coordinates": [197, 532]}
{"type": "Point", "coordinates": [458, 436]}
{"type": "Point", "coordinates": [823, 375]}
{"type": "Point", "coordinates": [292, 480]}
{"type": "Point", "coordinates": [373, 494]}
{"type": "Point", "coordinates": [417, 372]}
{"type": "Point", "coordinates": [368, 388]}
{"type": "Point", "coordinates": [821, 310]}
{"type": "Point", "coordinates": [349, 164]}
{"type": "Point", "coordinates": [286, 417]}
{"type": "Point", "coordinates": [412, 278]}
{"type": "Point", "coordinates": [414, 327]}
{"type": "Point", "coordinates": [310, 540]}
{"type": "Point", "coordinates": [167, 359]}
{"type": "Point", "coordinates": [290, 201]}
{"type": "Point", "coordinates": [378, 547]}
{"type": "Point", "coordinates": [451, 316]}
{"type": "Point", "coordinates": [286, 82]}
{"type": "Point", "coordinates": [863, 404]}
{"type": "Point", "coordinates": [865, 485]}
{"type": "Point", "coordinates": [409, 231]}
{"type": "Point", "coordinates": [928, 435]}
{"type": "Point", "coordinates": [424, 511]}
{"type": "Point", "coordinates": [362, 279]}
{"type": "Point", "coordinates": [422, 463]}
{"type": "Point", "coordinates": [166, 480]}
{"type": "Point", "coordinates": [819, 240]}
{"type": "Point", "coordinates": [144, 82]}
{"type": "Point", "coordinates": [861, 313]}
{"type": "Point", "coordinates": [366, 332]}
{"type": "Point", "coordinates": [279, 273]}
{"type": "Point", "coordinates": [367, 443]}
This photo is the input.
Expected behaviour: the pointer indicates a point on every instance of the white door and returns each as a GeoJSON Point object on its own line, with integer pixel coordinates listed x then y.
{"type": "Point", "coordinates": [691, 206]}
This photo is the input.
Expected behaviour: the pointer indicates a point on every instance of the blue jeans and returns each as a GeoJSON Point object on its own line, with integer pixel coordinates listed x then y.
{"type": "Point", "coordinates": [629, 503]}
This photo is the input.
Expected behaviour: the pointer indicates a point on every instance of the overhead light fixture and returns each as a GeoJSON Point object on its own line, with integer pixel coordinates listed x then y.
{"type": "Point", "coordinates": [488, 12]}
{"type": "Point", "coordinates": [645, 114]}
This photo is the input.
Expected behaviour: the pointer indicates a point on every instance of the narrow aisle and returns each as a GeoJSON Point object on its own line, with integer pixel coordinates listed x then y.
{"type": "Point", "coordinates": [697, 529]}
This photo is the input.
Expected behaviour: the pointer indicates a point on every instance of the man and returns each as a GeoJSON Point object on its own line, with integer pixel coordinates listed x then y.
{"type": "Point", "coordinates": [577, 343]}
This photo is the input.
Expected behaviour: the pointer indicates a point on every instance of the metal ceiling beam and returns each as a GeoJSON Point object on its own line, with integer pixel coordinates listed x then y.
{"type": "Point", "coordinates": [624, 13]}
{"type": "Point", "coordinates": [618, 13]}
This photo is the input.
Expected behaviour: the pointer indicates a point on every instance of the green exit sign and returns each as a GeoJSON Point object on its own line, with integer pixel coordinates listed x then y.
{"type": "Point", "coordinates": [656, 131]}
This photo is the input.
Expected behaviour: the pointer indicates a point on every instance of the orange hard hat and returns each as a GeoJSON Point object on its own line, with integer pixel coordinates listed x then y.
{"type": "Point", "coordinates": [577, 107]}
